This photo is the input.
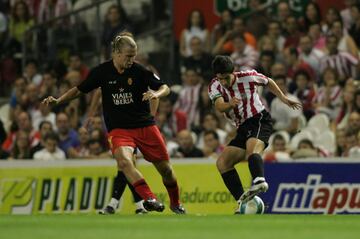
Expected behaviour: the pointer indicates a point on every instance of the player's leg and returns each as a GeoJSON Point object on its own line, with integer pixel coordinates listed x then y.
{"type": "Point", "coordinates": [170, 182]}
{"type": "Point", "coordinates": [153, 147]}
{"type": "Point", "coordinates": [120, 183]}
{"type": "Point", "coordinates": [254, 150]}
{"type": "Point", "coordinates": [261, 128]}
{"type": "Point", "coordinates": [226, 167]}
{"type": "Point", "coordinates": [123, 157]}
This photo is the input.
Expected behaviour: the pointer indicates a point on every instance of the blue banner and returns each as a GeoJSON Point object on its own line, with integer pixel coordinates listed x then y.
{"type": "Point", "coordinates": [313, 187]}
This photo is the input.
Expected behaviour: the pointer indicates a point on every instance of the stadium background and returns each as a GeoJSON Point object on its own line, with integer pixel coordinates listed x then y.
{"type": "Point", "coordinates": [52, 48]}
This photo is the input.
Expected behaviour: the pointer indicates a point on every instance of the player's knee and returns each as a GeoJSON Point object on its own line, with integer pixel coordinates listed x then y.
{"type": "Point", "coordinates": [167, 173]}
{"type": "Point", "coordinates": [222, 164]}
{"type": "Point", "coordinates": [124, 163]}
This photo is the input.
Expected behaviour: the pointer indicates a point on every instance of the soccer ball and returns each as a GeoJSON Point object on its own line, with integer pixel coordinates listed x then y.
{"type": "Point", "coordinates": [254, 206]}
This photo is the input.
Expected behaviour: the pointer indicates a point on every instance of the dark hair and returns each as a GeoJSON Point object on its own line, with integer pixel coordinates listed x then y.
{"type": "Point", "coordinates": [202, 19]}
{"type": "Point", "coordinates": [44, 122]}
{"type": "Point", "coordinates": [280, 77]}
{"type": "Point", "coordinates": [318, 13]}
{"type": "Point", "coordinates": [222, 64]}
{"type": "Point", "coordinates": [306, 141]}
{"type": "Point", "coordinates": [51, 135]}
{"type": "Point", "coordinates": [278, 137]}
{"type": "Point", "coordinates": [267, 53]}
{"type": "Point", "coordinates": [213, 132]}
{"type": "Point", "coordinates": [303, 73]}
{"type": "Point", "coordinates": [26, 13]}
{"type": "Point", "coordinates": [337, 13]}
{"type": "Point", "coordinates": [293, 51]}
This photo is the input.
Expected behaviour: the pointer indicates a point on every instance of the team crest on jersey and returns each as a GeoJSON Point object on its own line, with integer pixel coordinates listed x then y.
{"type": "Point", "coordinates": [130, 81]}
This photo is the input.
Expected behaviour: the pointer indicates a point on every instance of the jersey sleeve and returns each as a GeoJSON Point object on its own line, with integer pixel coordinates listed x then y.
{"type": "Point", "coordinates": [213, 91]}
{"type": "Point", "coordinates": [260, 79]}
{"type": "Point", "coordinates": [154, 80]}
{"type": "Point", "coordinates": [91, 82]}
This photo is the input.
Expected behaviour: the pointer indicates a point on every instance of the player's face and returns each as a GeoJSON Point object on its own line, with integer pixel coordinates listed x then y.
{"type": "Point", "coordinates": [125, 58]}
{"type": "Point", "coordinates": [225, 79]}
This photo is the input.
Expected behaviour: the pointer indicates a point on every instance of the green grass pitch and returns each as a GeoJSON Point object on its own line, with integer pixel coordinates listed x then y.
{"type": "Point", "coordinates": [180, 226]}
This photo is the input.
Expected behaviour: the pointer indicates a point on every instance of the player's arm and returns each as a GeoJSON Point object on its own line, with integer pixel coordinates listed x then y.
{"type": "Point", "coordinates": [154, 104]}
{"type": "Point", "coordinates": [71, 94]}
{"type": "Point", "coordinates": [223, 106]}
{"type": "Point", "coordinates": [94, 104]}
{"type": "Point", "coordinates": [274, 88]}
{"type": "Point", "coordinates": [164, 90]}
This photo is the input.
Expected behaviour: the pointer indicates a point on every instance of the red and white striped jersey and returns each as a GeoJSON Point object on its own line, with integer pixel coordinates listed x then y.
{"type": "Point", "coordinates": [244, 88]}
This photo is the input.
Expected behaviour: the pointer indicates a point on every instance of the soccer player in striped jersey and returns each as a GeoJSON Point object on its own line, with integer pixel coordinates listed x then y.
{"type": "Point", "coordinates": [235, 95]}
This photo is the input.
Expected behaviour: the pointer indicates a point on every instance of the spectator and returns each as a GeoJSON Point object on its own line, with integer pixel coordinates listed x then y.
{"type": "Point", "coordinates": [76, 64]}
{"type": "Point", "coordinates": [282, 11]}
{"type": "Point", "coordinates": [195, 27]}
{"type": "Point", "coordinates": [345, 42]}
{"type": "Point", "coordinates": [23, 123]}
{"type": "Point", "coordinates": [274, 31]}
{"type": "Point", "coordinates": [21, 149]}
{"type": "Point", "coordinates": [245, 57]}
{"type": "Point", "coordinates": [225, 25]}
{"type": "Point", "coordinates": [356, 106]}
{"type": "Point", "coordinates": [285, 118]}
{"type": "Point", "coordinates": [354, 122]}
{"type": "Point", "coordinates": [292, 32]}
{"type": "Point", "coordinates": [294, 63]}
{"type": "Point", "coordinates": [257, 21]}
{"type": "Point", "coordinates": [20, 21]}
{"type": "Point", "coordinates": [116, 22]}
{"type": "Point", "coordinates": [312, 15]}
{"type": "Point", "coordinates": [329, 97]}
{"type": "Point", "coordinates": [278, 150]}
{"type": "Point", "coordinates": [225, 43]}
{"type": "Point", "coordinates": [48, 85]}
{"type": "Point", "coordinates": [340, 142]}
{"type": "Point", "coordinates": [343, 62]}
{"type": "Point", "coordinates": [212, 147]}
{"type": "Point", "coordinates": [49, 9]}
{"type": "Point", "coordinates": [82, 150]}
{"type": "Point", "coordinates": [354, 30]}
{"type": "Point", "coordinates": [31, 73]}
{"type": "Point", "coordinates": [332, 15]}
{"type": "Point", "coordinates": [187, 148]}
{"type": "Point", "coordinates": [310, 55]}
{"type": "Point", "coordinates": [199, 60]}
{"type": "Point", "coordinates": [169, 120]}
{"type": "Point", "coordinates": [43, 114]}
{"type": "Point", "coordinates": [354, 151]}
{"type": "Point", "coordinates": [96, 150]}
{"type": "Point", "coordinates": [68, 136]}
{"type": "Point", "coordinates": [143, 58]}
{"type": "Point", "coordinates": [267, 59]}
{"type": "Point", "coordinates": [317, 37]}
{"type": "Point", "coordinates": [307, 149]}
{"type": "Point", "coordinates": [51, 151]}
{"type": "Point", "coordinates": [305, 92]}
{"type": "Point", "coordinates": [45, 127]}
{"type": "Point", "coordinates": [346, 107]}
{"type": "Point", "coordinates": [211, 122]}
{"type": "Point", "coordinates": [190, 99]}
{"type": "Point", "coordinates": [351, 142]}
{"type": "Point", "coordinates": [346, 15]}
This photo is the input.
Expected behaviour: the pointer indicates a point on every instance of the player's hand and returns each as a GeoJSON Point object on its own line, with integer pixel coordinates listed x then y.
{"type": "Point", "coordinates": [50, 101]}
{"type": "Point", "coordinates": [234, 102]}
{"type": "Point", "coordinates": [149, 95]}
{"type": "Point", "coordinates": [294, 104]}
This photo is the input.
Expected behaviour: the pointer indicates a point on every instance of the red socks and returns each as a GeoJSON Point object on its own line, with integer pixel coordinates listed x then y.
{"type": "Point", "coordinates": [143, 189]}
{"type": "Point", "coordinates": [173, 191]}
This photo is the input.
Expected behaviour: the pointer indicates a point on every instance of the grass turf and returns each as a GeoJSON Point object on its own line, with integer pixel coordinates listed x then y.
{"type": "Point", "coordinates": [180, 227]}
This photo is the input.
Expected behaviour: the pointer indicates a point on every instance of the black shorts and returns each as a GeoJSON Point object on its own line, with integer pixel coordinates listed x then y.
{"type": "Point", "coordinates": [258, 126]}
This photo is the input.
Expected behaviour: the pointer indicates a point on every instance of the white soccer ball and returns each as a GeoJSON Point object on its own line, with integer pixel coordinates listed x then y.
{"type": "Point", "coordinates": [254, 206]}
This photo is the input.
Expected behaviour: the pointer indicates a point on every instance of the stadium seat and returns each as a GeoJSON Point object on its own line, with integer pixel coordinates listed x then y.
{"type": "Point", "coordinates": [4, 116]}
{"type": "Point", "coordinates": [326, 140]}
{"type": "Point", "coordinates": [319, 121]}
{"type": "Point", "coordinates": [298, 137]}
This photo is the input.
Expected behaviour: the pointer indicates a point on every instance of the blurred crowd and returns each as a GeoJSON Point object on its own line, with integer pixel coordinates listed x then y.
{"type": "Point", "coordinates": [313, 58]}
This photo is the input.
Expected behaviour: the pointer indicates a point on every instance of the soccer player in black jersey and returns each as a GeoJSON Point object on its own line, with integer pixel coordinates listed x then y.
{"type": "Point", "coordinates": [126, 89]}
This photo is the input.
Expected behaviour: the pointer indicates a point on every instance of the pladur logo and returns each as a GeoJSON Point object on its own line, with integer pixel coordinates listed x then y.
{"type": "Point", "coordinates": [317, 197]}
